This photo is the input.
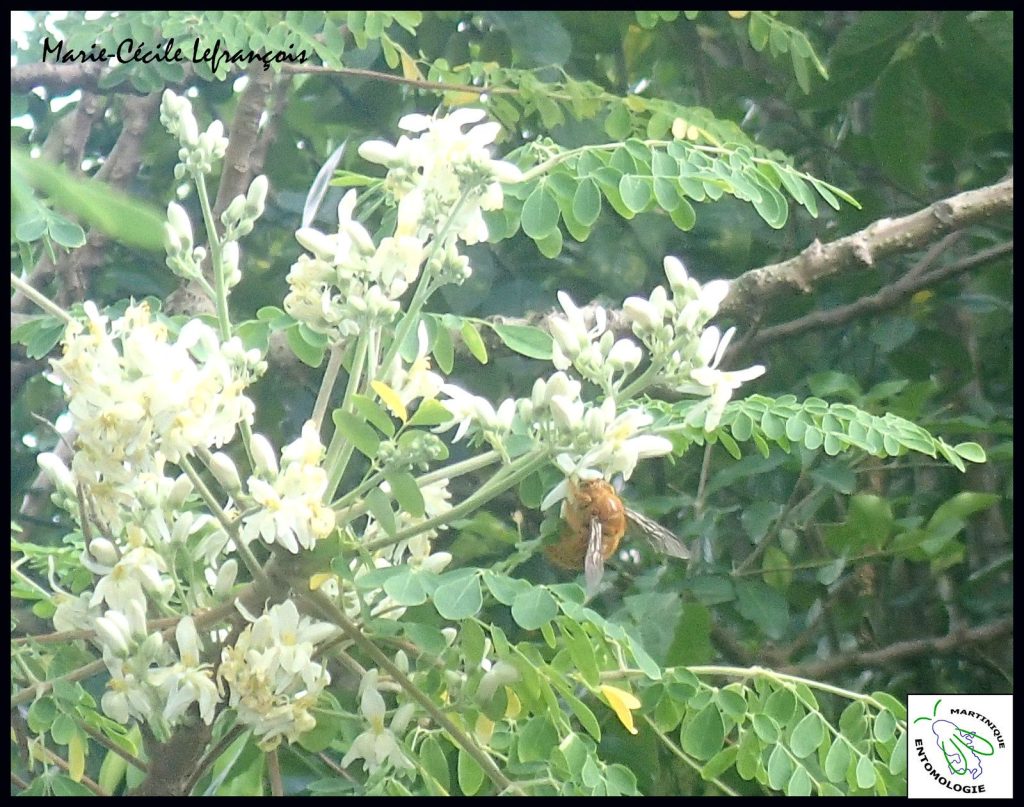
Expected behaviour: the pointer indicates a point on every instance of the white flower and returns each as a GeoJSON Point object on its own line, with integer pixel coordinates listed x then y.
{"type": "Point", "coordinates": [719, 384]}
{"type": "Point", "coordinates": [378, 746]}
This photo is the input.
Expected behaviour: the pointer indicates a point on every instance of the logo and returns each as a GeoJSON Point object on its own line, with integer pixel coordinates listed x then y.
{"type": "Point", "coordinates": [960, 746]}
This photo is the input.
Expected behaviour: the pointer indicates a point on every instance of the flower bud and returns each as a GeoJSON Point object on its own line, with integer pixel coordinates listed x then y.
{"type": "Point", "coordinates": [675, 272]}
{"type": "Point", "coordinates": [402, 717]}
{"type": "Point", "coordinates": [225, 471]}
{"type": "Point", "coordinates": [641, 313]}
{"type": "Point", "coordinates": [322, 246]}
{"type": "Point", "coordinates": [625, 354]}
{"type": "Point", "coordinates": [225, 579]}
{"type": "Point", "coordinates": [103, 551]}
{"type": "Point", "coordinates": [256, 198]}
{"type": "Point", "coordinates": [263, 456]}
{"type": "Point", "coordinates": [711, 296]}
{"type": "Point", "coordinates": [180, 491]}
{"type": "Point", "coordinates": [56, 471]}
{"type": "Point", "coordinates": [378, 151]}
{"type": "Point", "coordinates": [179, 220]}
{"type": "Point", "coordinates": [567, 337]}
{"type": "Point", "coordinates": [114, 632]}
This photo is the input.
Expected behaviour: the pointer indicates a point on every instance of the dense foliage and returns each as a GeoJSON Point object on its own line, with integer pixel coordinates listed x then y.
{"type": "Point", "coordinates": [846, 498]}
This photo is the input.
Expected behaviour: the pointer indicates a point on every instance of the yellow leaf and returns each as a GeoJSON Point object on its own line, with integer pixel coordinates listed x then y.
{"type": "Point", "coordinates": [409, 68]}
{"type": "Point", "coordinates": [738, 15]}
{"type": "Point", "coordinates": [621, 701]}
{"type": "Point", "coordinates": [76, 757]}
{"type": "Point", "coordinates": [484, 729]}
{"type": "Point", "coordinates": [318, 580]}
{"type": "Point", "coordinates": [514, 705]}
{"type": "Point", "coordinates": [457, 98]}
{"type": "Point", "coordinates": [679, 129]}
{"type": "Point", "coordinates": [391, 400]}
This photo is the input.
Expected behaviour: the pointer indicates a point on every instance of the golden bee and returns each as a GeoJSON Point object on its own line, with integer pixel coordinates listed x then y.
{"type": "Point", "coordinates": [595, 521]}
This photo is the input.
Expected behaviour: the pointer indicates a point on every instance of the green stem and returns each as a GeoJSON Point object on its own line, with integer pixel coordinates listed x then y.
{"type": "Point", "coordinates": [220, 287]}
{"type": "Point", "coordinates": [423, 288]}
{"type": "Point", "coordinates": [327, 386]}
{"type": "Point", "coordinates": [39, 299]}
{"type": "Point", "coordinates": [332, 612]}
{"type": "Point", "coordinates": [499, 483]}
{"type": "Point", "coordinates": [345, 510]}
{"type": "Point", "coordinates": [340, 450]}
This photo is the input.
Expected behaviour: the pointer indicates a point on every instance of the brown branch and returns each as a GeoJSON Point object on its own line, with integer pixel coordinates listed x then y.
{"type": "Point", "coordinates": [950, 643]}
{"type": "Point", "coordinates": [237, 165]}
{"type": "Point", "coordinates": [269, 132]}
{"type": "Point", "coordinates": [881, 239]}
{"type": "Point", "coordinates": [886, 297]}
{"type": "Point", "coordinates": [56, 78]}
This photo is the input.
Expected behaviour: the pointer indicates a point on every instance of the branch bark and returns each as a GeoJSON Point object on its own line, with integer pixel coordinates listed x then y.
{"type": "Point", "coordinates": [882, 239]}
{"type": "Point", "coordinates": [950, 643]}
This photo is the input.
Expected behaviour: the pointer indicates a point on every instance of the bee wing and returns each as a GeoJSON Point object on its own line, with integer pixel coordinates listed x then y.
{"type": "Point", "coordinates": [657, 536]}
{"type": "Point", "coordinates": [593, 560]}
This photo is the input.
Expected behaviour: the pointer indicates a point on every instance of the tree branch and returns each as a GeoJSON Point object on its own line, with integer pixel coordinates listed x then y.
{"type": "Point", "coordinates": [881, 239]}
{"type": "Point", "coordinates": [886, 297]}
{"type": "Point", "coordinates": [950, 643]}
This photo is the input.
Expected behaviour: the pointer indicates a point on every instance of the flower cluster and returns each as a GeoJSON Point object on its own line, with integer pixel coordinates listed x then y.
{"type": "Point", "coordinates": [346, 283]}
{"type": "Point", "coordinates": [291, 508]}
{"type": "Point", "coordinates": [199, 151]}
{"type": "Point", "coordinates": [443, 169]}
{"type": "Point", "coordinates": [271, 676]}
{"type": "Point", "coordinates": [673, 330]}
{"type": "Point", "coordinates": [136, 397]}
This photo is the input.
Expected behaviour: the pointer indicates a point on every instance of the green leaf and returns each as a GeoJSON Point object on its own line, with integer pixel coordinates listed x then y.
{"type": "Point", "coordinates": [780, 768]}
{"type": "Point", "coordinates": [41, 714]}
{"type": "Point", "coordinates": [807, 736]}
{"type": "Point", "coordinates": [972, 452]}
{"type": "Point", "coordinates": [471, 775]}
{"type": "Point", "coordinates": [800, 782]}
{"type": "Point", "coordinates": [357, 432]}
{"type": "Point", "coordinates": [537, 740]}
{"type": "Point", "coordinates": [586, 202]}
{"type": "Point", "coordinates": [533, 608]}
{"type": "Point", "coordinates": [684, 216]}
{"type": "Point", "coordinates": [460, 598]}
{"type": "Point", "coordinates": [407, 492]}
{"type": "Point", "coordinates": [443, 349]}
{"type": "Point", "coordinates": [901, 123]}
{"type": "Point", "coordinates": [430, 413]}
{"type": "Point", "coordinates": [122, 217]}
{"type": "Point", "coordinates": [540, 213]}
{"type": "Point", "coordinates": [618, 124]}
{"type": "Point", "coordinates": [471, 338]}
{"type": "Point", "coordinates": [703, 736]}
{"type": "Point", "coordinates": [892, 704]}
{"type": "Point", "coordinates": [720, 763]}
{"type": "Point", "coordinates": [764, 606]}
{"type": "Point", "coordinates": [65, 232]}
{"type": "Point", "coordinates": [312, 355]}
{"type": "Point", "coordinates": [369, 411]}
{"type": "Point", "coordinates": [865, 773]}
{"type": "Point", "coordinates": [550, 246]}
{"type": "Point", "coordinates": [435, 764]}
{"type": "Point", "coordinates": [884, 726]}
{"type": "Point", "coordinates": [636, 192]}
{"type": "Point", "coordinates": [898, 758]}
{"type": "Point", "coordinates": [379, 505]}
{"type": "Point", "coordinates": [837, 761]}
{"type": "Point", "coordinates": [525, 339]}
